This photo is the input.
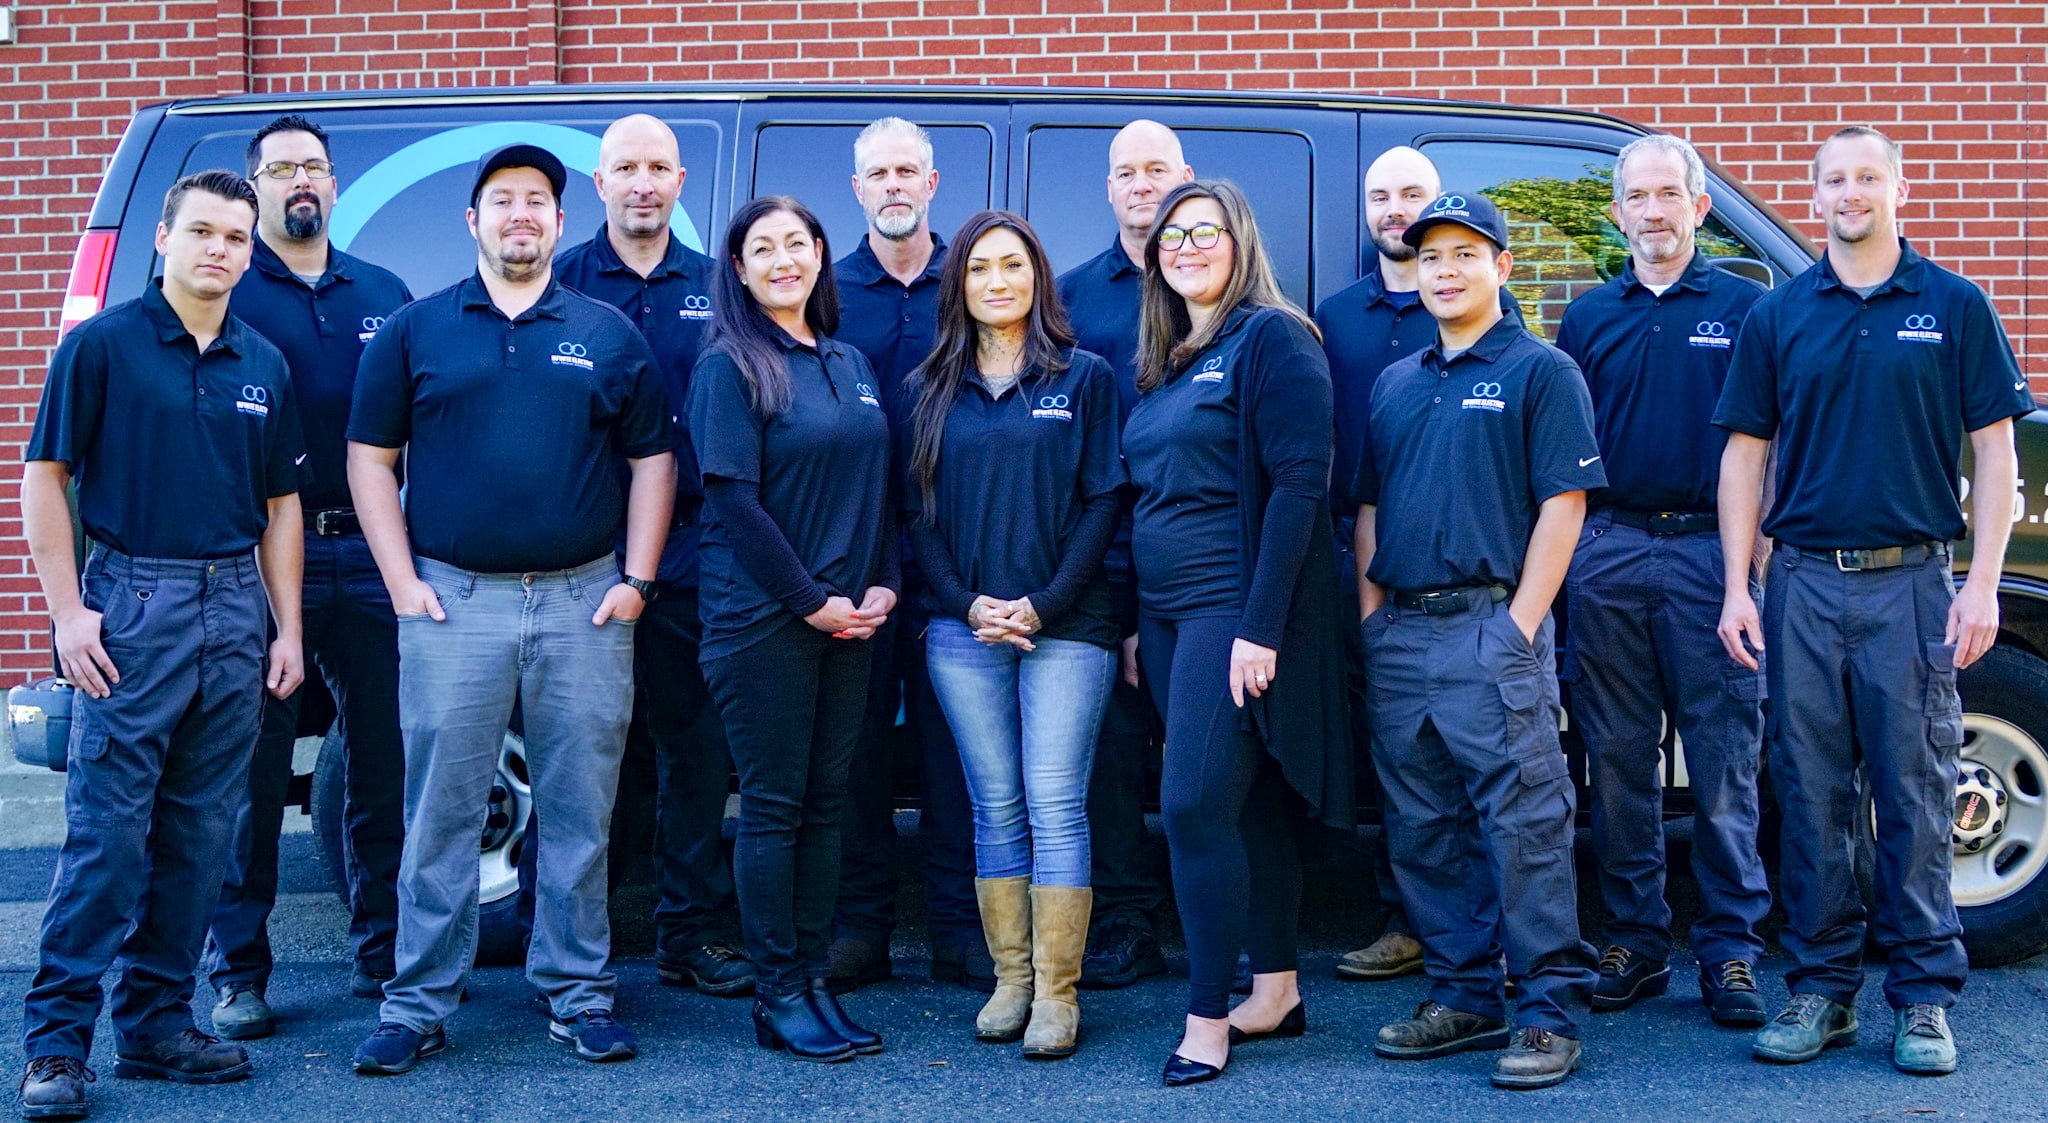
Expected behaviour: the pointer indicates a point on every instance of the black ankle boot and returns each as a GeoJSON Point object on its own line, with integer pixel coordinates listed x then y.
{"type": "Point", "coordinates": [829, 1012]}
{"type": "Point", "coordinates": [789, 1021]}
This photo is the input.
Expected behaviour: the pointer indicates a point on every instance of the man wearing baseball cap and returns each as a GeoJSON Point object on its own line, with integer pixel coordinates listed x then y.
{"type": "Point", "coordinates": [511, 398]}
{"type": "Point", "coordinates": [1478, 453]}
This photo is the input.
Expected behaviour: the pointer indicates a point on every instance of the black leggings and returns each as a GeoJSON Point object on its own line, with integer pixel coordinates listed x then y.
{"type": "Point", "coordinates": [1228, 812]}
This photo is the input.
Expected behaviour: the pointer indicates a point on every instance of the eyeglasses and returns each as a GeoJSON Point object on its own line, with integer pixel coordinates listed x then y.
{"type": "Point", "coordinates": [1202, 234]}
{"type": "Point", "coordinates": [287, 169]}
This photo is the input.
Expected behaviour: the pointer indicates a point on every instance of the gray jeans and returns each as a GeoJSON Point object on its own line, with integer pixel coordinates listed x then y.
{"type": "Point", "coordinates": [509, 636]}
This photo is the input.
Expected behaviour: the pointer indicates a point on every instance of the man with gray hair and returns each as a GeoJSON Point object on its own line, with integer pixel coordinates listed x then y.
{"type": "Point", "coordinates": [1645, 587]}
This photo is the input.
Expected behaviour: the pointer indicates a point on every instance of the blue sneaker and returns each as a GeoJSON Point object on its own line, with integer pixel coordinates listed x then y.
{"type": "Point", "coordinates": [393, 1048]}
{"type": "Point", "coordinates": [595, 1036]}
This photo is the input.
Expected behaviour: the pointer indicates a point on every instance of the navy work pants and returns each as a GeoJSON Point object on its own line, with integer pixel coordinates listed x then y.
{"type": "Point", "coordinates": [352, 638]}
{"type": "Point", "coordinates": [1859, 675]}
{"type": "Point", "coordinates": [1127, 890]}
{"type": "Point", "coordinates": [154, 773]}
{"type": "Point", "coordinates": [1644, 609]}
{"type": "Point", "coordinates": [675, 723]}
{"type": "Point", "coordinates": [1394, 916]}
{"type": "Point", "coordinates": [1479, 809]}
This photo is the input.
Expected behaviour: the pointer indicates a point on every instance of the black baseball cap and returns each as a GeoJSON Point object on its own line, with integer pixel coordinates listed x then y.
{"type": "Point", "coordinates": [520, 156]}
{"type": "Point", "coordinates": [1472, 211]}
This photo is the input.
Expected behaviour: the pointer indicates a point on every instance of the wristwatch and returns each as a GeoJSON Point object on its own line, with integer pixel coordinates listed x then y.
{"type": "Point", "coordinates": [648, 590]}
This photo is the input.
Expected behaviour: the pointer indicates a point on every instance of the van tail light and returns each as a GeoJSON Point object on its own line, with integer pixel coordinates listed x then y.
{"type": "Point", "coordinates": [86, 293]}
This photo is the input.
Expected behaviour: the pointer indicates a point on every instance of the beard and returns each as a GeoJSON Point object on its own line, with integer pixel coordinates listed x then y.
{"type": "Point", "coordinates": [1667, 246]}
{"type": "Point", "coordinates": [637, 227]}
{"type": "Point", "coordinates": [1391, 246]}
{"type": "Point", "coordinates": [300, 225]}
{"type": "Point", "coordinates": [897, 227]}
{"type": "Point", "coordinates": [1850, 235]}
{"type": "Point", "coordinates": [520, 261]}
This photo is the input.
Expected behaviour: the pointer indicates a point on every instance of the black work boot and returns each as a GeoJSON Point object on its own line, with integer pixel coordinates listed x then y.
{"type": "Point", "coordinates": [1626, 978]}
{"type": "Point", "coordinates": [191, 1057]}
{"type": "Point", "coordinates": [54, 1088]}
{"type": "Point", "coordinates": [1729, 990]}
{"type": "Point", "coordinates": [714, 969]}
{"type": "Point", "coordinates": [1120, 952]}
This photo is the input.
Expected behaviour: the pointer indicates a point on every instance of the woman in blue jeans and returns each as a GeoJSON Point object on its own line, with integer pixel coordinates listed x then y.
{"type": "Point", "coordinates": [1011, 502]}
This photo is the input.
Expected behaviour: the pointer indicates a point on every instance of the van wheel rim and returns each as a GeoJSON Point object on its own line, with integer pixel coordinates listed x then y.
{"type": "Point", "coordinates": [504, 836]}
{"type": "Point", "coordinates": [2000, 814]}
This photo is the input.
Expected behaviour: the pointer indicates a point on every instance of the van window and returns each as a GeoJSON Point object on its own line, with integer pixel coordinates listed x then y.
{"type": "Point", "coordinates": [1555, 199]}
{"type": "Point", "coordinates": [405, 187]}
{"type": "Point", "coordinates": [1067, 193]}
{"type": "Point", "coordinates": [814, 163]}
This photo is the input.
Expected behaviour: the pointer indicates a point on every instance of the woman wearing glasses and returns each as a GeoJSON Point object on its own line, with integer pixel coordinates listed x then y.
{"type": "Point", "coordinates": [798, 570]}
{"type": "Point", "coordinates": [1011, 502]}
{"type": "Point", "coordinates": [1229, 446]}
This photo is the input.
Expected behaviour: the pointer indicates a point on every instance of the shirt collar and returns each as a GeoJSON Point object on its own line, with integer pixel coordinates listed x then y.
{"type": "Point", "coordinates": [1907, 276]}
{"type": "Point", "coordinates": [272, 265]}
{"type": "Point", "coordinates": [171, 329]}
{"type": "Point", "coordinates": [1487, 348]}
{"type": "Point", "coordinates": [1695, 276]}
{"type": "Point", "coordinates": [674, 260]}
{"type": "Point", "coordinates": [867, 268]}
{"type": "Point", "coordinates": [552, 304]}
{"type": "Point", "coordinates": [1120, 261]}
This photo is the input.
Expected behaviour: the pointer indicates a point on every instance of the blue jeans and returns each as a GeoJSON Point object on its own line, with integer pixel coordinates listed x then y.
{"type": "Point", "coordinates": [1026, 725]}
{"type": "Point", "coordinates": [524, 637]}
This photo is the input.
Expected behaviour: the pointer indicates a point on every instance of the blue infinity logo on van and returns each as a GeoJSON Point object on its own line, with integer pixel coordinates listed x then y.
{"type": "Point", "coordinates": [390, 177]}
{"type": "Point", "coordinates": [1920, 329]}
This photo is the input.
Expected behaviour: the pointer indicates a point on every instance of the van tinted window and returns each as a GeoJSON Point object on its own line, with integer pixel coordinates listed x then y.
{"type": "Point", "coordinates": [814, 163]}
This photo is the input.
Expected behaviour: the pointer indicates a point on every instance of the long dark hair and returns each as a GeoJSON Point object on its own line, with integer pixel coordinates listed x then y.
{"type": "Point", "coordinates": [738, 325]}
{"type": "Point", "coordinates": [936, 382]}
{"type": "Point", "coordinates": [1167, 340]}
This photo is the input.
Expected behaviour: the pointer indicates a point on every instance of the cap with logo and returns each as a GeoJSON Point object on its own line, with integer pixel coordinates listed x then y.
{"type": "Point", "coordinates": [519, 156]}
{"type": "Point", "coordinates": [1472, 211]}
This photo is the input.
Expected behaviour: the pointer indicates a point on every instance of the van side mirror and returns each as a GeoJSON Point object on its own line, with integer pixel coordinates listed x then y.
{"type": "Point", "coordinates": [1749, 267]}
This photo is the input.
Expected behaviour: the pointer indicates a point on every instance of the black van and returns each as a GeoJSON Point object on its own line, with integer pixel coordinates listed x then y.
{"type": "Point", "coordinates": [404, 159]}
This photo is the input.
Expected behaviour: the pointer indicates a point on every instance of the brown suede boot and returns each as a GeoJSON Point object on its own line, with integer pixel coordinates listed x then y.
{"type": "Point", "coordinates": [1059, 933]}
{"type": "Point", "coordinates": [1005, 905]}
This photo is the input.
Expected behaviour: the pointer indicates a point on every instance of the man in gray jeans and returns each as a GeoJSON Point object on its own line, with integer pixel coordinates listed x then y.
{"type": "Point", "coordinates": [512, 399]}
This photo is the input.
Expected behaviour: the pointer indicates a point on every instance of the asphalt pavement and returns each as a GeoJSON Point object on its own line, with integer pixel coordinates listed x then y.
{"type": "Point", "coordinates": [1661, 1060]}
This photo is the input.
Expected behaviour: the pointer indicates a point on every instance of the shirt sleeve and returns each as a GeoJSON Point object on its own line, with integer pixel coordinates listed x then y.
{"type": "Point", "coordinates": [286, 471]}
{"type": "Point", "coordinates": [1292, 422]}
{"type": "Point", "coordinates": [1749, 399]}
{"type": "Point", "coordinates": [1564, 455]}
{"type": "Point", "coordinates": [74, 399]}
{"type": "Point", "coordinates": [724, 426]}
{"type": "Point", "coordinates": [1993, 387]}
{"type": "Point", "coordinates": [645, 426]}
{"type": "Point", "coordinates": [761, 548]}
{"type": "Point", "coordinates": [380, 413]}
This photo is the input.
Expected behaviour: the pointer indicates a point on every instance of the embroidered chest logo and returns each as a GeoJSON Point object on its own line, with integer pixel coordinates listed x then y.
{"type": "Point", "coordinates": [1486, 395]}
{"type": "Point", "coordinates": [255, 401]}
{"type": "Point", "coordinates": [867, 395]}
{"type": "Point", "coordinates": [1054, 407]}
{"type": "Point", "coordinates": [371, 326]}
{"type": "Point", "coordinates": [695, 308]}
{"type": "Point", "coordinates": [572, 355]}
{"type": "Point", "coordinates": [1920, 329]}
{"type": "Point", "coordinates": [1212, 371]}
{"type": "Point", "coordinates": [1710, 333]}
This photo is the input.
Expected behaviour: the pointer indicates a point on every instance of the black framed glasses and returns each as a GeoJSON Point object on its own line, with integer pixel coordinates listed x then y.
{"type": "Point", "coordinates": [1203, 234]}
{"type": "Point", "coordinates": [287, 169]}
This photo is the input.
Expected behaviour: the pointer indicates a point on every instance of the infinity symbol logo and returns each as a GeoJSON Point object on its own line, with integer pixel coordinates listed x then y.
{"type": "Point", "coordinates": [1053, 401]}
{"type": "Point", "coordinates": [1715, 328]}
{"type": "Point", "coordinates": [1486, 390]}
{"type": "Point", "coordinates": [574, 350]}
{"type": "Point", "coordinates": [864, 389]}
{"type": "Point", "coordinates": [1450, 203]}
{"type": "Point", "coordinates": [373, 323]}
{"type": "Point", "coordinates": [697, 303]}
{"type": "Point", "coordinates": [257, 394]}
{"type": "Point", "coordinates": [1215, 363]}
{"type": "Point", "coordinates": [1920, 323]}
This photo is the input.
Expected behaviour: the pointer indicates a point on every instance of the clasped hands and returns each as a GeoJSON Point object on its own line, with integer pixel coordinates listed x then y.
{"type": "Point", "coordinates": [1004, 621]}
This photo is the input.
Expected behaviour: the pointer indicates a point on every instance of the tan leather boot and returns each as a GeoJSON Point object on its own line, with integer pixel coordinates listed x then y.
{"type": "Point", "coordinates": [1059, 933]}
{"type": "Point", "coordinates": [1005, 905]}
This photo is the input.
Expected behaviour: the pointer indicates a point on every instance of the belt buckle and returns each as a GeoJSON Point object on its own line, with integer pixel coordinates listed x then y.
{"type": "Point", "coordinates": [1851, 561]}
{"type": "Point", "coordinates": [320, 523]}
{"type": "Point", "coordinates": [1442, 603]}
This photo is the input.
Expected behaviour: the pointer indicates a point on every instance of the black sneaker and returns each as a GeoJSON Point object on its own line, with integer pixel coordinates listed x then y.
{"type": "Point", "coordinates": [1120, 953]}
{"type": "Point", "coordinates": [971, 967]}
{"type": "Point", "coordinates": [191, 1057]}
{"type": "Point", "coordinates": [856, 963]}
{"type": "Point", "coordinates": [54, 1088]}
{"type": "Point", "coordinates": [1626, 978]}
{"type": "Point", "coordinates": [594, 1035]}
{"type": "Point", "coordinates": [1729, 990]}
{"type": "Point", "coordinates": [714, 969]}
{"type": "Point", "coordinates": [392, 1048]}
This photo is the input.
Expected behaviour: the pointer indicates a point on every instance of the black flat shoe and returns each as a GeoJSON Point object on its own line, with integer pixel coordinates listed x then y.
{"type": "Point", "coordinates": [1293, 1024]}
{"type": "Point", "coordinates": [826, 1004]}
{"type": "Point", "coordinates": [1180, 1070]}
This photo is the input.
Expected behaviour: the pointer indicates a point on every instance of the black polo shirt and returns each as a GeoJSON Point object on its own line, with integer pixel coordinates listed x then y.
{"type": "Point", "coordinates": [1365, 328]}
{"type": "Point", "coordinates": [1103, 296]}
{"type": "Point", "coordinates": [672, 308]}
{"type": "Point", "coordinates": [1459, 456]}
{"type": "Point", "coordinates": [822, 467]}
{"type": "Point", "coordinates": [1868, 399]}
{"type": "Point", "coordinates": [512, 426]}
{"type": "Point", "coordinates": [889, 322]}
{"type": "Point", "coordinates": [1014, 474]}
{"type": "Point", "coordinates": [1655, 366]}
{"type": "Point", "coordinates": [322, 329]}
{"type": "Point", "coordinates": [176, 453]}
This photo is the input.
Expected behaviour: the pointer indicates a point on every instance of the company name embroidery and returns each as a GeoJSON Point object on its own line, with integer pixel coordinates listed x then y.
{"type": "Point", "coordinates": [572, 355]}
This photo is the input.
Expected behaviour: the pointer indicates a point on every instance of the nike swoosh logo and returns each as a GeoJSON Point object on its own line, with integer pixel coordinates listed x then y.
{"type": "Point", "coordinates": [1587, 461]}
{"type": "Point", "coordinates": [2021, 385]}
{"type": "Point", "coordinates": [302, 460]}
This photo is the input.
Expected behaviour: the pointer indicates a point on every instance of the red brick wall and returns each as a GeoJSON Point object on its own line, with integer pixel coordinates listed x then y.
{"type": "Point", "coordinates": [1964, 86]}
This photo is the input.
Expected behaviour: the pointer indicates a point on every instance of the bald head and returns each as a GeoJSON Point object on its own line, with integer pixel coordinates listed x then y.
{"type": "Point", "coordinates": [1145, 162]}
{"type": "Point", "coordinates": [639, 176]}
{"type": "Point", "coordinates": [1398, 186]}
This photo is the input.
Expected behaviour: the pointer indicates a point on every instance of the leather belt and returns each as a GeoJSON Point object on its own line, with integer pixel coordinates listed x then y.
{"type": "Point", "coordinates": [1667, 522]}
{"type": "Point", "coordinates": [1885, 557]}
{"type": "Point", "coordinates": [333, 522]}
{"type": "Point", "coordinates": [1448, 602]}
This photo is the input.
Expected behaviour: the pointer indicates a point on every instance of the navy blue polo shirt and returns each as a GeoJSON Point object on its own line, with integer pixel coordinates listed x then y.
{"type": "Point", "coordinates": [672, 308]}
{"type": "Point", "coordinates": [1103, 296]}
{"type": "Point", "coordinates": [1365, 328]}
{"type": "Point", "coordinates": [1868, 399]}
{"type": "Point", "coordinates": [176, 453]}
{"type": "Point", "coordinates": [822, 467]}
{"type": "Point", "coordinates": [1014, 474]}
{"type": "Point", "coordinates": [322, 329]}
{"type": "Point", "coordinates": [1459, 456]}
{"type": "Point", "coordinates": [512, 426]}
{"type": "Point", "coordinates": [889, 322]}
{"type": "Point", "coordinates": [1655, 366]}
